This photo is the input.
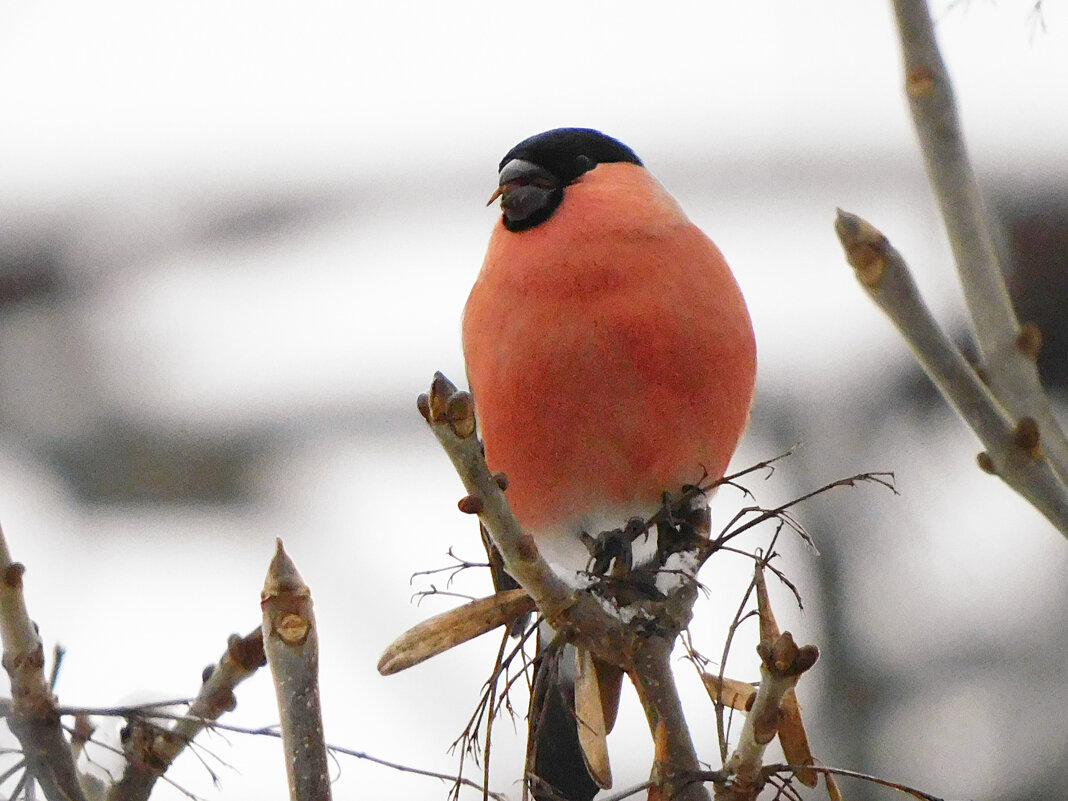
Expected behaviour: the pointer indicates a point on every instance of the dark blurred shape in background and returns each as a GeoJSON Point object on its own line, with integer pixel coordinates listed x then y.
{"type": "Point", "coordinates": [1035, 223]}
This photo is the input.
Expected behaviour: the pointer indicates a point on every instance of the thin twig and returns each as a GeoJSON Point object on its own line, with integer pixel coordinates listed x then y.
{"type": "Point", "coordinates": [453, 570]}
{"type": "Point", "coordinates": [126, 710]}
{"type": "Point", "coordinates": [273, 731]}
{"type": "Point", "coordinates": [422, 595]}
{"type": "Point", "coordinates": [627, 792]}
{"type": "Point", "coordinates": [739, 617]}
{"type": "Point", "coordinates": [904, 788]}
{"type": "Point", "coordinates": [487, 748]}
{"type": "Point", "coordinates": [731, 531]}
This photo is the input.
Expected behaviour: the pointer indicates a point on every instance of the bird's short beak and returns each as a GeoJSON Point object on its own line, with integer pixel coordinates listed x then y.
{"type": "Point", "coordinates": [518, 173]}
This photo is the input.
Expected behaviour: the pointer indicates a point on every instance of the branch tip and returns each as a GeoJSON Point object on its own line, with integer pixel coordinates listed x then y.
{"type": "Point", "coordinates": [446, 403]}
{"type": "Point", "coordinates": [865, 247]}
{"type": "Point", "coordinates": [282, 576]}
{"type": "Point", "coordinates": [441, 389]}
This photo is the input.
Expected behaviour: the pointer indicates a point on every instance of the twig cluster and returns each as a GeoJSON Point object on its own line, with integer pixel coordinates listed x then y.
{"type": "Point", "coordinates": [629, 622]}
{"type": "Point", "coordinates": [155, 736]}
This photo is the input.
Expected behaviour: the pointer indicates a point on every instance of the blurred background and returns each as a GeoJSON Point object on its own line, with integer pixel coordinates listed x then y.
{"type": "Point", "coordinates": [235, 241]}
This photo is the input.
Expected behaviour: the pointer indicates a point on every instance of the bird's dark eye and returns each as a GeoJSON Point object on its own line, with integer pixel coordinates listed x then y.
{"type": "Point", "coordinates": [584, 164]}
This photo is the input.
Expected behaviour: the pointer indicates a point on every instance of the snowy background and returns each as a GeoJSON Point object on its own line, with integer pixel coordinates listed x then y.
{"type": "Point", "coordinates": [235, 240]}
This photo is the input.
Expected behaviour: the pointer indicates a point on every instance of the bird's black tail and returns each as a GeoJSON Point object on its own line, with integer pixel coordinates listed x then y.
{"type": "Point", "coordinates": [554, 754]}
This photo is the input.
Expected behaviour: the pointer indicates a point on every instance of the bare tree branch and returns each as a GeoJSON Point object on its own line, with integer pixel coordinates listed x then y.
{"type": "Point", "coordinates": [34, 717]}
{"type": "Point", "coordinates": [770, 707]}
{"type": "Point", "coordinates": [273, 731]}
{"type": "Point", "coordinates": [451, 416]}
{"type": "Point", "coordinates": [828, 772]}
{"type": "Point", "coordinates": [673, 749]}
{"type": "Point", "coordinates": [1012, 445]}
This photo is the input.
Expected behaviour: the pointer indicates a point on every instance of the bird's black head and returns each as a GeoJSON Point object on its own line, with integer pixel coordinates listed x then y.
{"type": "Point", "coordinates": [534, 173]}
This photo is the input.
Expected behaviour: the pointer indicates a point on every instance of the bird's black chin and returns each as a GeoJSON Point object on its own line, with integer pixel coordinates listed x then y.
{"type": "Point", "coordinates": [524, 207]}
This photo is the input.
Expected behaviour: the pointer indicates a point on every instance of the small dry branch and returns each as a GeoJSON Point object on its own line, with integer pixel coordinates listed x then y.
{"type": "Point", "coordinates": [291, 643]}
{"type": "Point", "coordinates": [150, 750]}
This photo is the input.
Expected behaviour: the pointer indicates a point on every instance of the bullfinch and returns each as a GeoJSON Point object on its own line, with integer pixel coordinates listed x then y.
{"type": "Point", "coordinates": [611, 358]}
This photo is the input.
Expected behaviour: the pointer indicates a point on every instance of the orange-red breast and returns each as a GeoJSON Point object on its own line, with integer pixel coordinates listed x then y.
{"type": "Point", "coordinates": [608, 347]}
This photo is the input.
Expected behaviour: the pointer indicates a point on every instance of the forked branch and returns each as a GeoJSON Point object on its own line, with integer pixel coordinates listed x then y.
{"type": "Point", "coordinates": [1003, 401]}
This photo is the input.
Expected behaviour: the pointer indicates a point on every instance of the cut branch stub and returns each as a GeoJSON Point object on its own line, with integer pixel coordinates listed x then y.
{"type": "Point", "coordinates": [291, 644]}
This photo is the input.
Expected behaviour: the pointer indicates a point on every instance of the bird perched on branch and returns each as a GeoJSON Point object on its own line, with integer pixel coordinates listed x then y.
{"type": "Point", "coordinates": [611, 358]}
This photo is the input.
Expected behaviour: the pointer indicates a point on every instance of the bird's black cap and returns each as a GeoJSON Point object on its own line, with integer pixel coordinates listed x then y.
{"type": "Point", "coordinates": [569, 152]}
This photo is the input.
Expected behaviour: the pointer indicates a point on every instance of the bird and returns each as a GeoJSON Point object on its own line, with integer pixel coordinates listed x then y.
{"type": "Point", "coordinates": [611, 358]}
